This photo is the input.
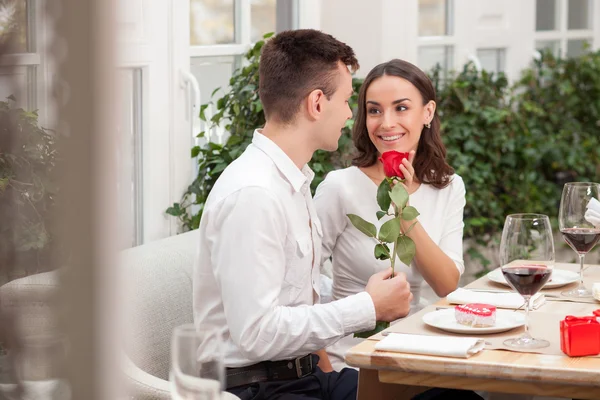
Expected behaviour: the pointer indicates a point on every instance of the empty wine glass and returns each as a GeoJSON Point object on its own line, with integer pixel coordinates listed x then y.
{"type": "Point", "coordinates": [576, 220]}
{"type": "Point", "coordinates": [527, 259]}
{"type": "Point", "coordinates": [197, 370]}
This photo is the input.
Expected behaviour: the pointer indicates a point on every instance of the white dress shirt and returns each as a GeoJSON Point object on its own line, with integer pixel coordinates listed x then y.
{"type": "Point", "coordinates": [350, 191]}
{"type": "Point", "coordinates": [257, 277]}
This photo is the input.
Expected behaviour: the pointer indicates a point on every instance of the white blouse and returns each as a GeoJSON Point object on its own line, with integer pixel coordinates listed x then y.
{"type": "Point", "coordinates": [350, 191]}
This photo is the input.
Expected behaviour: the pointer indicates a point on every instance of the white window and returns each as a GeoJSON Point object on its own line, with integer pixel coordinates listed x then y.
{"type": "Point", "coordinates": [25, 68]}
{"type": "Point", "coordinates": [564, 26]}
{"type": "Point", "coordinates": [492, 60]}
{"type": "Point", "coordinates": [130, 157]}
{"type": "Point", "coordinates": [221, 32]}
{"type": "Point", "coordinates": [436, 34]}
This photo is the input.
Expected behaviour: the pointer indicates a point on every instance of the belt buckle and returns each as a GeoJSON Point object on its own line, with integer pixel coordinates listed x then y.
{"type": "Point", "coordinates": [299, 366]}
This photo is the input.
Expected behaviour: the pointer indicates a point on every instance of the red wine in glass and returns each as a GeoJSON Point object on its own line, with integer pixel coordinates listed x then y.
{"type": "Point", "coordinates": [581, 240]}
{"type": "Point", "coordinates": [527, 279]}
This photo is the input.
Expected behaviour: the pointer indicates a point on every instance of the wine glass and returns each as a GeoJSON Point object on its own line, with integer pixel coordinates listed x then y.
{"type": "Point", "coordinates": [577, 226]}
{"type": "Point", "coordinates": [527, 259]}
{"type": "Point", "coordinates": [197, 370]}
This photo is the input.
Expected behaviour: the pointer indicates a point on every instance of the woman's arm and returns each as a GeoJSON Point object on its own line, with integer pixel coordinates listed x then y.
{"type": "Point", "coordinates": [441, 265]}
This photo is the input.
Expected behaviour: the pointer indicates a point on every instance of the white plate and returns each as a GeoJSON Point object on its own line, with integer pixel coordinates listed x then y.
{"type": "Point", "coordinates": [560, 277]}
{"type": "Point", "coordinates": [445, 320]}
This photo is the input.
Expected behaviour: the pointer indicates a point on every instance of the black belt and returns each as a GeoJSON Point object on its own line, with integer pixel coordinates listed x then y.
{"type": "Point", "coordinates": [271, 371]}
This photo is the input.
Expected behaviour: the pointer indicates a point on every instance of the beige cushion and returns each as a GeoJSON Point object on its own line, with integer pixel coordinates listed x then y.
{"type": "Point", "coordinates": [158, 295]}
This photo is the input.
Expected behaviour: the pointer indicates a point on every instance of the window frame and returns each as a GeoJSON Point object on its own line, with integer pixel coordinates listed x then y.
{"type": "Point", "coordinates": [449, 40]}
{"type": "Point", "coordinates": [563, 35]}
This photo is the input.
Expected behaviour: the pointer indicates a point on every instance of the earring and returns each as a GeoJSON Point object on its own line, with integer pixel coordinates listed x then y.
{"type": "Point", "coordinates": [428, 125]}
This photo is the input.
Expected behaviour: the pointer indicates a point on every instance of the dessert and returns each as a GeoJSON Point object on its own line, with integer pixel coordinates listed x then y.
{"type": "Point", "coordinates": [476, 315]}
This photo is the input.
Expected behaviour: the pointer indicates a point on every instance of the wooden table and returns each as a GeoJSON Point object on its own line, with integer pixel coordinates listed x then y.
{"type": "Point", "coordinates": [391, 375]}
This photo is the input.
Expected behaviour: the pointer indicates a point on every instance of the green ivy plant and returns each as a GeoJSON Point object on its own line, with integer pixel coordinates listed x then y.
{"type": "Point", "coordinates": [240, 112]}
{"type": "Point", "coordinates": [28, 187]}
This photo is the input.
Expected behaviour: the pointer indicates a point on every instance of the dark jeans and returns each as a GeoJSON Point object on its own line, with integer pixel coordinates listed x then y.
{"type": "Point", "coordinates": [329, 386]}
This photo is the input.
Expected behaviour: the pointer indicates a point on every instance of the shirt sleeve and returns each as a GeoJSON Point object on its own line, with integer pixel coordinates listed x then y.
{"type": "Point", "coordinates": [246, 237]}
{"type": "Point", "coordinates": [451, 241]}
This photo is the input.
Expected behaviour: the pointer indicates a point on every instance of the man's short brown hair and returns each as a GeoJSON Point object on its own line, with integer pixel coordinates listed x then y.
{"type": "Point", "coordinates": [294, 63]}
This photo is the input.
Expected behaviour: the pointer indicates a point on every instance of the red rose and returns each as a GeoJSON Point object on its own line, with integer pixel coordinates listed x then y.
{"type": "Point", "coordinates": [391, 163]}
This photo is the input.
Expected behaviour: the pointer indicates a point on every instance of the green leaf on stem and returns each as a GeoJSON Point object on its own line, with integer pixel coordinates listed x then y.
{"type": "Point", "coordinates": [364, 226]}
{"type": "Point", "coordinates": [406, 249]}
{"type": "Point", "coordinates": [409, 213]}
{"type": "Point", "coordinates": [390, 230]}
{"type": "Point", "coordinates": [379, 326]}
{"type": "Point", "coordinates": [399, 196]}
{"type": "Point", "coordinates": [383, 197]}
{"type": "Point", "coordinates": [380, 214]}
{"type": "Point", "coordinates": [382, 251]}
{"type": "Point", "coordinates": [410, 228]}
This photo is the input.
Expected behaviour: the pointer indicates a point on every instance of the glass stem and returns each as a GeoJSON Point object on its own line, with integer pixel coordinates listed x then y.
{"type": "Point", "coordinates": [581, 257]}
{"type": "Point", "coordinates": [527, 304]}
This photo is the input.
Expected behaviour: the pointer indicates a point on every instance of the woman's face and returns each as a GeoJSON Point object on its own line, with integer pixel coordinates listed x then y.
{"type": "Point", "coordinates": [395, 114]}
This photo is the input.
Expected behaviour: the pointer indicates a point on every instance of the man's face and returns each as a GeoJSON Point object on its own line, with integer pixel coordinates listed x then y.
{"type": "Point", "coordinates": [336, 111]}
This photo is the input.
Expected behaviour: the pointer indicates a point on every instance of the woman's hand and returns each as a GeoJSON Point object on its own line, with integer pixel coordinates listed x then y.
{"type": "Point", "coordinates": [409, 173]}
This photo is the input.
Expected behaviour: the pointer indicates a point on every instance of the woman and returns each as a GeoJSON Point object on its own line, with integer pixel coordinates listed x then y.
{"type": "Point", "coordinates": [396, 111]}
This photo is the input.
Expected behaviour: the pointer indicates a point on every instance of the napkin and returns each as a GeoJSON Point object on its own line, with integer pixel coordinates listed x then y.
{"type": "Point", "coordinates": [510, 300]}
{"type": "Point", "coordinates": [596, 290]}
{"type": "Point", "coordinates": [447, 346]}
{"type": "Point", "coordinates": [592, 214]}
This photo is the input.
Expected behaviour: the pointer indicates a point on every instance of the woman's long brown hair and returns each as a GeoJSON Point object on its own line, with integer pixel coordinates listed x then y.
{"type": "Point", "coordinates": [430, 162]}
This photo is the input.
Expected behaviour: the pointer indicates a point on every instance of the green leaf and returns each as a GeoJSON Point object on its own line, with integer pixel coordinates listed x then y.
{"type": "Point", "coordinates": [409, 213]}
{"type": "Point", "coordinates": [383, 196]}
{"type": "Point", "coordinates": [203, 108]}
{"type": "Point", "coordinates": [195, 151]}
{"type": "Point", "coordinates": [268, 35]}
{"type": "Point", "coordinates": [201, 134]}
{"type": "Point", "coordinates": [379, 326]}
{"type": "Point", "coordinates": [380, 214]}
{"type": "Point", "coordinates": [365, 227]}
{"type": "Point", "coordinates": [406, 249]}
{"type": "Point", "coordinates": [382, 251]}
{"type": "Point", "coordinates": [399, 196]}
{"type": "Point", "coordinates": [390, 230]}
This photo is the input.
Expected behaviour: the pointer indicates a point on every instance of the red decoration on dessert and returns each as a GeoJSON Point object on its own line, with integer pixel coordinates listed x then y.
{"type": "Point", "coordinates": [476, 315]}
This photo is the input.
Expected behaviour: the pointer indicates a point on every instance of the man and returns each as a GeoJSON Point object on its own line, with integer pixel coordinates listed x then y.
{"type": "Point", "coordinates": [257, 277]}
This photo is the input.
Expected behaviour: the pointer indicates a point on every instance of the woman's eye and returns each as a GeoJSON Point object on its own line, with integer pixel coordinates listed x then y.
{"type": "Point", "coordinates": [401, 108]}
{"type": "Point", "coordinates": [373, 111]}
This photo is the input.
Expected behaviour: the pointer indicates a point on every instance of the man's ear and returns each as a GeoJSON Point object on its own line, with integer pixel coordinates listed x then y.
{"type": "Point", "coordinates": [314, 104]}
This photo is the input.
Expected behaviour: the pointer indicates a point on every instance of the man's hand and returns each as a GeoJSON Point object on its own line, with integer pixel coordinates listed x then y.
{"type": "Point", "coordinates": [391, 297]}
{"type": "Point", "coordinates": [324, 362]}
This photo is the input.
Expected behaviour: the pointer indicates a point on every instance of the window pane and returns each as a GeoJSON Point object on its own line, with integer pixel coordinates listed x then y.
{"type": "Point", "coordinates": [213, 73]}
{"type": "Point", "coordinates": [553, 45]}
{"type": "Point", "coordinates": [579, 14]}
{"type": "Point", "coordinates": [263, 14]}
{"type": "Point", "coordinates": [129, 158]}
{"type": "Point", "coordinates": [492, 60]}
{"type": "Point", "coordinates": [13, 24]}
{"type": "Point", "coordinates": [546, 15]}
{"type": "Point", "coordinates": [575, 48]}
{"type": "Point", "coordinates": [211, 22]}
{"type": "Point", "coordinates": [435, 18]}
{"type": "Point", "coordinates": [430, 56]}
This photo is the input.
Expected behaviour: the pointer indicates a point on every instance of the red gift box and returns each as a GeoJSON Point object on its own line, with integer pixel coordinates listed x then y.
{"type": "Point", "coordinates": [580, 336]}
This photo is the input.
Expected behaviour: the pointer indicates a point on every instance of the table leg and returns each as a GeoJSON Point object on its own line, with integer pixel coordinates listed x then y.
{"type": "Point", "coordinates": [369, 387]}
